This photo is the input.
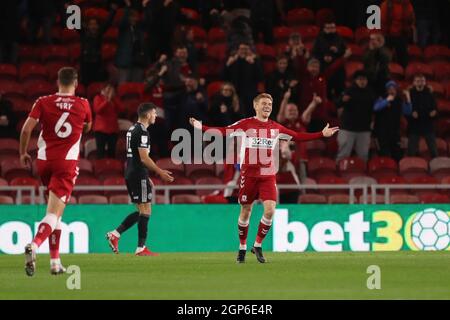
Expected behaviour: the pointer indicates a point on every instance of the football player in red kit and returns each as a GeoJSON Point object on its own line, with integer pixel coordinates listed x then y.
{"type": "Point", "coordinates": [258, 166]}
{"type": "Point", "coordinates": [63, 118]}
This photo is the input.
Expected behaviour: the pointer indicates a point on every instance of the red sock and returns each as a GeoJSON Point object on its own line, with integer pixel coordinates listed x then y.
{"type": "Point", "coordinates": [263, 229]}
{"type": "Point", "coordinates": [243, 231]}
{"type": "Point", "coordinates": [54, 243]}
{"type": "Point", "coordinates": [44, 230]}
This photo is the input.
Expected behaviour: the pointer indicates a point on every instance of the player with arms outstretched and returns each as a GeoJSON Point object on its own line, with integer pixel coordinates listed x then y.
{"type": "Point", "coordinates": [259, 138]}
{"type": "Point", "coordinates": [63, 118]}
{"type": "Point", "coordinates": [138, 184]}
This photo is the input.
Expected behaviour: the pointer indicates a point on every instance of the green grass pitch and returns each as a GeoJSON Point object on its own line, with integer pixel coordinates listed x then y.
{"type": "Point", "coordinates": [404, 275]}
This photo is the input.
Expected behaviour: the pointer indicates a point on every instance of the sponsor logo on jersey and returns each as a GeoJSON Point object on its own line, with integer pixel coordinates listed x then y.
{"type": "Point", "coordinates": [261, 143]}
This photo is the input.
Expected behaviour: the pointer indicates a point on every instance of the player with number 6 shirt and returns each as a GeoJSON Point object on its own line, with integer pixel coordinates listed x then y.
{"type": "Point", "coordinates": [63, 117]}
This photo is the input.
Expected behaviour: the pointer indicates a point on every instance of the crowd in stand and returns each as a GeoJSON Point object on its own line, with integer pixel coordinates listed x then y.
{"type": "Point", "coordinates": [309, 84]}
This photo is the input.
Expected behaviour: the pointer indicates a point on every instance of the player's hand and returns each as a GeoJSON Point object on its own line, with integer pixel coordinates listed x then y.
{"type": "Point", "coordinates": [390, 98]}
{"type": "Point", "coordinates": [25, 160]}
{"type": "Point", "coordinates": [317, 99]}
{"type": "Point", "coordinates": [328, 132]}
{"type": "Point", "coordinates": [195, 123]}
{"type": "Point", "coordinates": [348, 53]}
{"type": "Point", "coordinates": [166, 175]}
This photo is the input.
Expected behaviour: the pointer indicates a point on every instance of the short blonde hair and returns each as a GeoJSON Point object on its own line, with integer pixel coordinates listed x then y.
{"type": "Point", "coordinates": [261, 96]}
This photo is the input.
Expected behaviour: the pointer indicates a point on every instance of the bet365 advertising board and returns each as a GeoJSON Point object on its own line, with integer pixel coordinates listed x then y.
{"type": "Point", "coordinates": [191, 228]}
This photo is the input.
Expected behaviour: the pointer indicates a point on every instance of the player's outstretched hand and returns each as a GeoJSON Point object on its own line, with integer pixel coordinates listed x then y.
{"type": "Point", "coordinates": [25, 160]}
{"type": "Point", "coordinates": [195, 123]}
{"type": "Point", "coordinates": [166, 175]}
{"type": "Point", "coordinates": [328, 132]}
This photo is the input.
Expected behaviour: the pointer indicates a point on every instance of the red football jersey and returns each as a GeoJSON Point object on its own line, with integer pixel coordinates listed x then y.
{"type": "Point", "coordinates": [258, 141]}
{"type": "Point", "coordinates": [62, 118]}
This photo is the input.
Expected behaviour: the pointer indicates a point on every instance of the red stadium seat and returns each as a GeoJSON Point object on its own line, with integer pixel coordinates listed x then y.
{"type": "Point", "coordinates": [207, 181]}
{"type": "Point", "coordinates": [379, 166]}
{"type": "Point", "coordinates": [422, 180]}
{"type": "Point", "coordinates": [94, 88]}
{"type": "Point", "coordinates": [167, 164]}
{"type": "Point", "coordinates": [357, 52]}
{"type": "Point", "coordinates": [28, 53]}
{"type": "Point", "coordinates": [4, 183]}
{"type": "Point", "coordinates": [410, 167]}
{"type": "Point", "coordinates": [92, 199]}
{"type": "Point", "coordinates": [415, 53]}
{"type": "Point", "coordinates": [109, 51]}
{"type": "Point", "coordinates": [332, 180]}
{"type": "Point", "coordinates": [111, 35]}
{"type": "Point", "coordinates": [119, 199]}
{"type": "Point", "coordinates": [8, 147]}
{"type": "Point", "coordinates": [351, 167]}
{"type": "Point", "coordinates": [85, 181]}
{"type": "Point", "coordinates": [194, 171]}
{"type": "Point", "coordinates": [104, 168]}
{"type": "Point", "coordinates": [32, 71]}
{"type": "Point", "coordinates": [265, 51]}
{"type": "Point", "coordinates": [13, 169]}
{"type": "Point", "coordinates": [217, 52]}
{"type": "Point", "coordinates": [436, 52]}
{"type": "Point", "coordinates": [69, 36]}
{"type": "Point", "coordinates": [441, 71]}
{"type": "Point", "coordinates": [216, 35]}
{"type": "Point", "coordinates": [323, 15]}
{"type": "Point", "coordinates": [362, 35]}
{"type": "Point", "coordinates": [6, 200]}
{"type": "Point", "coordinates": [443, 106]}
{"type": "Point", "coordinates": [180, 181]}
{"type": "Point", "coordinates": [8, 72]}
{"type": "Point", "coordinates": [417, 67]}
{"type": "Point", "coordinates": [55, 53]}
{"type": "Point", "coordinates": [308, 32]}
{"type": "Point", "coordinates": [434, 197]}
{"type": "Point", "coordinates": [315, 148]}
{"type": "Point", "coordinates": [300, 16]}
{"type": "Point", "coordinates": [191, 15]}
{"type": "Point", "coordinates": [24, 181]}
{"type": "Point", "coordinates": [351, 67]}
{"type": "Point", "coordinates": [281, 34]}
{"type": "Point", "coordinates": [445, 180]}
{"type": "Point", "coordinates": [440, 167]}
{"type": "Point", "coordinates": [404, 198]}
{"type": "Point", "coordinates": [96, 13]}
{"type": "Point", "coordinates": [378, 199]}
{"type": "Point", "coordinates": [397, 71]}
{"type": "Point", "coordinates": [90, 149]}
{"type": "Point", "coordinates": [186, 198]}
{"type": "Point", "coordinates": [392, 180]}
{"type": "Point", "coordinates": [437, 89]}
{"type": "Point", "coordinates": [363, 180]}
{"type": "Point", "coordinates": [339, 199]}
{"type": "Point", "coordinates": [115, 181]}
{"type": "Point", "coordinates": [130, 90]}
{"type": "Point", "coordinates": [312, 199]}
{"type": "Point", "coordinates": [441, 146]}
{"type": "Point", "coordinates": [213, 88]}
{"type": "Point", "coordinates": [199, 34]}
{"type": "Point", "coordinates": [12, 89]}
{"type": "Point", "coordinates": [346, 33]}
{"type": "Point", "coordinates": [321, 166]}
{"type": "Point", "coordinates": [36, 89]}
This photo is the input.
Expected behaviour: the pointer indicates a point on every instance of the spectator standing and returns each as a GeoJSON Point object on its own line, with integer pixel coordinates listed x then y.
{"type": "Point", "coordinates": [243, 69]}
{"type": "Point", "coordinates": [7, 119]}
{"type": "Point", "coordinates": [388, 112]}
{"type": "Point", "coordinates": [427, 21]}
{"type": "Point", "coordinates": [194, 104]}
{"type": "Point", "coordinates": [131, 58]}
{"type": "Point", "coordinates": [420, 123]}
{"type": "Point", "coordinates": [327, 41]}
{"type": "Point", "coordinates": [91, 39]}
{"type": "Point", "coordinates": [356, 109]}
{"type": "Point", "coordinates": [106, 127]}
{"type": "Point", "coordinates": [262, 14]}
{"type": "Point", "coordinates": [376, 62]}
{"type": "Point", "coordinates": [398, 24]}
{"type": "Point", "coordinates": [9, 31]}
{"type": "Point", "coordinates": [225, 107]}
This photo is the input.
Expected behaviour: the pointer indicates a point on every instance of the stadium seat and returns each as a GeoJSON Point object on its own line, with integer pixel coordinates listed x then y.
{"type": "Point", "coordinates": [434, 197]}
{"type": "Point", "coordinates": [109, 51]}
{"type": "Point", "coordinates": [378, 199]}
{"type": "Point", "coordinates": [191, 15]}
{"type": "Point", "coordinates": [440, 167]}
{"type": "Point", "coordinates": [437, 89]}
{"type": "Point", "coordinates": [339, 199]}
{"type": "Point", "coordinates": [445, 180]}
{"type": "Point", "coordinates": [320, 166]}
{"type": "Point", "coordinates": [199, 35]}
{"type": "Point", "coordinates": [357, 52]}
{"type": "Point", "coordinates": [69, 36]}
{"type": "Point", "coordinates": [32, 71]}
{"type": "Point", "coordinates": [346, 33]}
{"type": "Point", "coordinates": [6, 200]}
{"type": "Point", "coordinates": [167, 164]}
{"type": "Point", "coordinates": [312, 199]}
{"type": "Point", "coordinates": [8, 72]}
{"type": "Point", "coordinates": [308, 32]}
{"type": "Point", "coordinates": [55, 53]}
{"type": "Point", "coordinates": [11, 168]}
{"type": "Point", "coordinates": [9, 146]}
{"type": "Point", "coordinates": [93, 89]}
{"type": "Point", "coordinates": [186, 198]}
{"type": "Point", "coordinates": [332, 180]}
{"type": "Point", "coordinates": [95, 12]}
{"type": "Point", "coordinates": [436, 52]}
{"type": "Point", "coordinates": [363, 180]}
{"type": "Point", "coordinates": [37, 88]}
{"type": "Point", "coordinates": [441, 72]}
{"type": "Point", "coordinates": [362, 35]}
{"type": "Point", "coordinates": [415, 53]}
{"type": "Point", "coordinates": [119, 199]}
{"type": "Point", "coordinates": [195, 171]}
{"type": "Point", "coordinates": [104, 168]}
{"type": "Point", "coordinates": [130, 90]}
{"type": "Point", "coordinates": [422, 180]}
{"type": "Point", "coordinates": [159, 199]}
{"type": "Point", "coordinates": [410, 167]}
{"type": "Point", "coordinates": [92, 199]}
{"type": "Point", "coordinates": [443, 107]}
{"type": "Point", "coordinates": [300, 16]}
{"type": "Point", "coordinates": [85, 166]}
{"type": "Point", "coordinates": [12, 89]}
{"type": "Point", "coordinates": [351, 67]}
{"type": "Point", "coordinates": [216, 35]}
{"type": "Point", "coordinates": [266, 52]}
{"type": "Point", "coordinates": [392, 180]}
{"type": "Point", "coordinates": [315, 148]}
{"type": "Point", "coordinates": [217, 52]}
{"type": "Point", "coordinates": [115, 181]}
{"type": "Point", "coordinates": [207, 181]}
{"type": "Point", "coordinates": [397, 72]}
{"type": "Point", "coordinates": [24, 181]}
{"type": "Point", "coordinates": [417, 67]}
{"type": "Point", "coordinates": [111, 35]}
{"type": "Point", "coordinates": [85, 181]}
{"type": "Point", "coordinates": [90, 149]}
{"type": "Point", "coordinates": [404, 198]}
{"type": "Point", "coordinates": [351, 167]}
{"type": "Point", "coordinates": [379, 166]}
{"type": "Point", "coordinates": [4, 183]}
{"type": "Point", "coordinates": [281, 34]}
{"type": "Point", "coordinates": [441, 146]}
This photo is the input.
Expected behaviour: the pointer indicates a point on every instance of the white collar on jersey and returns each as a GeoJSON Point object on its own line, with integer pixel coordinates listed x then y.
{"type": "Point", "coordinates": [64, 94]}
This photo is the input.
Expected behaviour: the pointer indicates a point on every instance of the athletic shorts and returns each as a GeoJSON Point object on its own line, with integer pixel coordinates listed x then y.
{"type": "Point", "coordinates": [139, 189]}
{"type": "Point", "coordinates": [58, 176]}
{"type": "Point", "coordinates": [253, 188]}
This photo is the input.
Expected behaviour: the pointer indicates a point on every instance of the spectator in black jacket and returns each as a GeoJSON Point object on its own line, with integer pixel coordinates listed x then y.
{"type": "Point", "coordinates": [376, 62]}
{"type": "Point", "coordinates": [420, 123]}
{"type": "Point", "coordinates": [7, 119]}
{"type": "Point", "coordinates": [279, 81]}
{"type": "Point", "coordinates": [336, 81]}
{"type": "Point", "coordinates": [328, 40]}
{"type": "Point", "coordinates": [225, 108]}
{"type": "Point", "coordinates": [243, 69]}
{"type": "Point", "coordinates": [388, 112]}
{"type": "Point", "coordinates": [194, 104]}
{"type": "Point", "coordinates": [91, 39]}
{"type": "Point", "coordinates": [262, 14]}
{"type": "Point", "coordinates": [355, 110]}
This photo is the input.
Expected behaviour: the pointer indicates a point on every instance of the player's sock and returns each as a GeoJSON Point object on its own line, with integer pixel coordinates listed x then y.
{"type": "Point", "coordinates": [45, 228]}
{"type": "Point", "coordinates": [243, 231]}
{"type": "Point", "coordinates": [142, 230]}
{"type": "Point", "coordinates": [263, 229]}
{"type": "Point", "coordinates": [126, 224]}
{"type": "Point", "coordinates": [54, 242]}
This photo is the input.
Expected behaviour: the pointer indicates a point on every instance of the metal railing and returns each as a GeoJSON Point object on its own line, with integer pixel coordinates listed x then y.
{"type": "Point", "coordinates": [39, 196]}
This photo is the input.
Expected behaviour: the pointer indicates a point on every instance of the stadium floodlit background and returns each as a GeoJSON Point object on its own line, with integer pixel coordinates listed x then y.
{"type": "Point", "coordinates": [208, 59]}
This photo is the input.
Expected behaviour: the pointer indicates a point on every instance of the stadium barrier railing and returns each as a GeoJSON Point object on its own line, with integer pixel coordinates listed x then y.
{"type": "Point", "coordinates": [38, 196]}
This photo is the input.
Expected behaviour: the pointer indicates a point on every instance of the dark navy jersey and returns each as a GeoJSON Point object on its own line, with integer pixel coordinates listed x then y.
{"type": "Point", "coordinates": [137, 137]}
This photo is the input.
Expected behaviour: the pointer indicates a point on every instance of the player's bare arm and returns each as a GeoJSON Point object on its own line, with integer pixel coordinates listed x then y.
{"type": "Point", "coordinates": [329, 132]}
{"type": "Point", "coordinates": [151, 165]}
{"type": "Point", "coordinates": [87, 127]}
{"type": "Point", "coordinates": [25, 134]}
